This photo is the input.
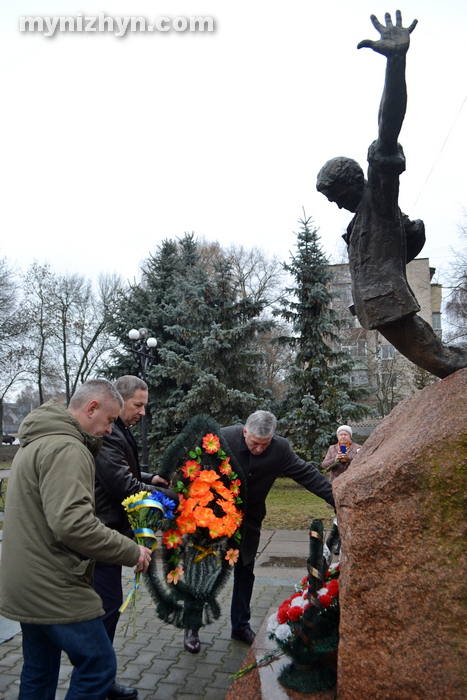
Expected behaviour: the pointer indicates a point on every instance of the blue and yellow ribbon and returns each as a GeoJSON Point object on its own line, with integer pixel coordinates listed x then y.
{"type": "Point", "coordinates": [145, 503]}
{"type": "Point", "coordinates": [133, 591]}
{"type": "Point", "coordinates": [142, 532]}
{"type": "Point", "coordinates": [146, 532]}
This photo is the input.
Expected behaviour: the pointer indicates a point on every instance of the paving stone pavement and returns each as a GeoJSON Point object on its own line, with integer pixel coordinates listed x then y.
{"type": "Point", "coordinates": [155, 661]}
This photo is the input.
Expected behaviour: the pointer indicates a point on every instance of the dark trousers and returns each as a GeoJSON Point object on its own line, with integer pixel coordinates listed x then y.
{"type": "Point", "coordinates": [108, 584]}
{"type": "Point", "coordinates": [244, 579]}
{"type": "Point", "coordinates": [89, 649]}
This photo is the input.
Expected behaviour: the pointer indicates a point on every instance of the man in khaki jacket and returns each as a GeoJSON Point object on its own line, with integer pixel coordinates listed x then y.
{"type": "Point", "coordinates": [51, 538]}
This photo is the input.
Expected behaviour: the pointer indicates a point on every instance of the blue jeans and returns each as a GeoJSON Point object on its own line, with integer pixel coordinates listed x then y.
{"type": "Point", "coordinates": [89, 649]}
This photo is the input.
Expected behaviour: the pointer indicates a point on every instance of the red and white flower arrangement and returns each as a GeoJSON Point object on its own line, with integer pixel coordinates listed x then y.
{"type": "Point", "coordinates": [284, 624]}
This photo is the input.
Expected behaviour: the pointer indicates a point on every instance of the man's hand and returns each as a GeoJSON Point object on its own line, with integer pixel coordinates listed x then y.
{"type": "Point", "coordinates": [159, 481]}
{"type": "Point", "coordinates": [394, 39]}
{"type": "Point", "coordinates": [143, 560]}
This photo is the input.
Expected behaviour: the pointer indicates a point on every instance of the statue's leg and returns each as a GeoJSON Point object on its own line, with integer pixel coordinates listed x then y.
{"type": "Point", "coordinates": [416, 339]}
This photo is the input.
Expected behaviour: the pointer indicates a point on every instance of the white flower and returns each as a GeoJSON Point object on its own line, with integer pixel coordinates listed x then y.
{"type": "Point", "coordinates": [272, 623]}
{"type": "Point", "coordinates": [301, 601]}
{"type": "Point", "coordinates": [322, 591]}
{"type": "Point", "coordinates": [282, 632]}
{"type": "Point", "coordinates": [333, 566]}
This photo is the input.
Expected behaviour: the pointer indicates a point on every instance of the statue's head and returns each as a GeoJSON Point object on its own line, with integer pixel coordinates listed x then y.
{"type": "Point", "coordinates": [342, 181]}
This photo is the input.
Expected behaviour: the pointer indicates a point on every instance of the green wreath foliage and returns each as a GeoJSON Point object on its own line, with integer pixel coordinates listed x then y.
{"type": "Point", "coordinates": [192, 602]}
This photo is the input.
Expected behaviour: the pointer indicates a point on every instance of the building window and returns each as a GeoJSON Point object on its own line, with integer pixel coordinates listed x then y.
{"type": "Point", "coordinates": [386, 352]}
{"type": "Point", "coordinates": [436, 321]}
{"type": "Point", "coordinates": [356, 348]}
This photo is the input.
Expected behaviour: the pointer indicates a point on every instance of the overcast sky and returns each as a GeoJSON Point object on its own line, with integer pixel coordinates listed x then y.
{"type": "Point", "coordinates": [110, 145]}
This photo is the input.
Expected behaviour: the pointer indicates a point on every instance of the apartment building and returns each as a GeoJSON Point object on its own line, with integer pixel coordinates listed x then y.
{"type": "Point", "coordinates": [378, 364]}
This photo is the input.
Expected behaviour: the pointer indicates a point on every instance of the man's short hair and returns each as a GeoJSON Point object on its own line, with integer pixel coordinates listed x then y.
{"type": "Point", "coordinates": [92, 390]}
{"type": "Point", "coordinates": [262, 424]}
{"type": "Point", "coordinates": [343, 170]}
{"type": "Point", "coordinates": [128, 385]}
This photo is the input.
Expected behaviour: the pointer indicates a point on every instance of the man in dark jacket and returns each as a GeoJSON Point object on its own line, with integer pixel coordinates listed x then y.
{"type": "Point", "coordinates": [118, 475]}
{"type": "Point", "coordinates": [263, 456]}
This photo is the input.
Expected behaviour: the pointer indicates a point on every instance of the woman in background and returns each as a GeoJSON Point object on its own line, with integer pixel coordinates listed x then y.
{"type": "Point", "coordinates": [339, 456]}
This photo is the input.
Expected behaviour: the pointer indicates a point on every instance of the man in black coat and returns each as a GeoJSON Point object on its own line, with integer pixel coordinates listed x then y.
{"type": "Point", "coordinates": [118, 475]}
{"type": "Point", "coordinates": [263, 456]}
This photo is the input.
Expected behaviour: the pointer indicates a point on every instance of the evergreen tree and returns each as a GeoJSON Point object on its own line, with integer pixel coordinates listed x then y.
{"type": "Point", "coordinates": [206, 360]}
{"type": "Point", "coordinates": [318, 391]}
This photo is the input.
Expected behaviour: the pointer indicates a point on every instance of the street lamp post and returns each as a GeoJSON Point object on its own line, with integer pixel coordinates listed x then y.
{"type": "Point", "coordinates": [143, 350]}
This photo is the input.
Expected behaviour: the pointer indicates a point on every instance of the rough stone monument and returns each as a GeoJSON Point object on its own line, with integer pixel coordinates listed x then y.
{"type": "Point", "coordinates": [402, 512]}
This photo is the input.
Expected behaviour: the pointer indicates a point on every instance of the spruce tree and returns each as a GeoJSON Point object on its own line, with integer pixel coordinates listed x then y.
{"type": "Point", "coordinates": [206, 359]}
{"type": "Point", "coordinates": [319, 395]}
{"type": "Point", "coordinates": [229, 366]}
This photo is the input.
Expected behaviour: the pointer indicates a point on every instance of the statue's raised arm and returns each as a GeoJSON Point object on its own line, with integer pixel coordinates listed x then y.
{"type": "Point", "coordinates": [394, 44]}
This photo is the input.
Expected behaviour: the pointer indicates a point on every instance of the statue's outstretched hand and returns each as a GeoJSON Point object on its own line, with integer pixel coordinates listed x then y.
{"type": "Point", "coordinates": [394, 39]}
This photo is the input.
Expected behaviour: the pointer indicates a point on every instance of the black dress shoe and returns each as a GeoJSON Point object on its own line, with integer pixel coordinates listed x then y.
{"type": "Point", "coordinates": [191, 641]}
{"type": "Point", "coordinates": [246, 635]}
{"type": "Point", "coordinates": [121, 692]}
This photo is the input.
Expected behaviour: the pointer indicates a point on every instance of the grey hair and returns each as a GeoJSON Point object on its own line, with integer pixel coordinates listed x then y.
{"type": "Point", "coordinates": [94, 389]}
{"type": "Point", "coordinates": [262, 424]}
{"type": "Point", "coordinates": [128, 385]}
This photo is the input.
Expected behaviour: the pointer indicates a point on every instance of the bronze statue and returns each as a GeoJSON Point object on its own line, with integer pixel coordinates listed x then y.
{"type": "Point", "coordinates": [381, 239]}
